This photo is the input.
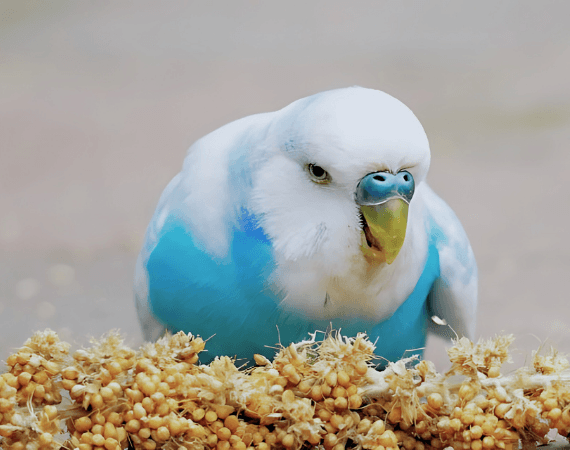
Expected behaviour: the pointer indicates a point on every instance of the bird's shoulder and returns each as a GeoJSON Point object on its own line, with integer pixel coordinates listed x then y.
{"type": "Point", "coordinates": [446, 231]}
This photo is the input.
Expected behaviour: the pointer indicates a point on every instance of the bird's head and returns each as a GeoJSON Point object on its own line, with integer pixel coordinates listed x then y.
{"type": "Point", "coordinates": [337, 176]}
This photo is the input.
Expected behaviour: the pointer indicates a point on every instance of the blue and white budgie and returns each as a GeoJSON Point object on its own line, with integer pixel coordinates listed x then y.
{"type": "Point", "coordinates": [284, 223]}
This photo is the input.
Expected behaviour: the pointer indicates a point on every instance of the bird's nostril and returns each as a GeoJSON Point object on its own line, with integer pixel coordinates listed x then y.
{"type": "Point", "coordinates": [406, 177]}
{"type": "Point", "coordinates": [379, 177]}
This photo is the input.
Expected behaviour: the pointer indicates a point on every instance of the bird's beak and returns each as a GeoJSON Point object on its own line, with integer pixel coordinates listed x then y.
{"type": "Point", "coordinates": [384, 200]}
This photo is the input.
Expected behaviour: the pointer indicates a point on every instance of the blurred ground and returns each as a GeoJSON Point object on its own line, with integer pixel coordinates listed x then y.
{"type": "Point", "coordinates": [100, 100]}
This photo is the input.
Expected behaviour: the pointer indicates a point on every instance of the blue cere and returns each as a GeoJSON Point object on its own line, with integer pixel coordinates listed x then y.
{"type": "Point", "coordinates": [377, 187]}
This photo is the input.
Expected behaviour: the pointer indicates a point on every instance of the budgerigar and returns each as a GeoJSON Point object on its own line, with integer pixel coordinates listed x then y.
{"type": "Point", "coordinates": [317, 215]}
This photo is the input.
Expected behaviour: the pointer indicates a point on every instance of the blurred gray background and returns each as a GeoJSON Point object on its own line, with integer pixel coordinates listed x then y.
{"type": "Point", "coordinates": [100, 100]}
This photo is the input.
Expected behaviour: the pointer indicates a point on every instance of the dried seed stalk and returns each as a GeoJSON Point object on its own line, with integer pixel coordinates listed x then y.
{"type": "Point", "coordinates": [323, 394]}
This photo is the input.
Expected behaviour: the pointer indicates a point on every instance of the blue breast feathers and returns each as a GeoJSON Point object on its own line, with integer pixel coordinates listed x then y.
{"type": "Point", "coordinates": [231, 300]}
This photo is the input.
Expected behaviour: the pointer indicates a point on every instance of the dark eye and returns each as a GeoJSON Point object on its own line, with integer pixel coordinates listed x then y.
{"type": "Point", "coordinates": [318, 174]}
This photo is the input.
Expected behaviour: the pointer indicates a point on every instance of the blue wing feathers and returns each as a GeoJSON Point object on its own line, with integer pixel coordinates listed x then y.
{"type": "Point", "coordinates": [454, 293]}
{"type": "Point", "coordinates": [192, 291]}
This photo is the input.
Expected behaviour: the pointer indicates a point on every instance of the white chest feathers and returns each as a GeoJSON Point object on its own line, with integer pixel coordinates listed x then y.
{"type": "Point", "coordinates": [359, 289]}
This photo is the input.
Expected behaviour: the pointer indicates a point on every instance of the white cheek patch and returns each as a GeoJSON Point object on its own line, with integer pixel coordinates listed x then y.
{"type": "Point", "coordinates": [302, 218]}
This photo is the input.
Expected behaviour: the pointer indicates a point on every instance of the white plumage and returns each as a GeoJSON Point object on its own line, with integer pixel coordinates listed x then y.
{"type": "Point", "coordinates": [250, 179]}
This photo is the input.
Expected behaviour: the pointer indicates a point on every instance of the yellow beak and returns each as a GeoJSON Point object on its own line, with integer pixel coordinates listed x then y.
{"type": "Point", "coordinates": [384, 230]}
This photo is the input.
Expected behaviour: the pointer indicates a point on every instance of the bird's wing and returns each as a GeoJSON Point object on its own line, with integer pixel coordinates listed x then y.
{"type": "Point", "coordinates": [152, 329]}
{"type": "Point", "coordinates": [205, 260]}
{"type": "Point", "coordinates": [453, 296]}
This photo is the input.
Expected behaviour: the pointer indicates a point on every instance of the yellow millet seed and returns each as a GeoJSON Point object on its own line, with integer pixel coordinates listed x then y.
{"type": "Point", "coordinates": [109, 431]}
{"type": "Point", "coordinates": [388, 439]}
{"type": "Point", "coordinates": [476, 445]}
{"type": "Point", "coordinates": [324, 414]}
{"type": "Point", "coordinates": [147, 387]}
{"type": "Point", "coordinates": [339, 391]}
{"type": "Point", "coordinates": [24, 378]}
{"type": "Point", "coordinates": [224, 433]}
{"type": "Point", "coordinates": [83, 424]}
{"type": "Point", "coordinates": [177, 426]}
{"type": "Point", "coordinates": [467, 392]}
{"type": "Point", "coordinates": [40, 377]}
{"type": "Point", "coordinates": [148, 405]}
{"type": "Point", "coordinates": [115, 387]}
{"type": "Point", "coordinates": [288, 441]}
{"type": "Point", "coordinates": [98, 440]}
{"type": "Point", "coordinates": [305, 386]}
{"type": "Point", "coordinates": [139, 411]}
{"type": "Point", "coordinates": [223, 445]}
{"type": "Point", "coordinates": [114, 368]}
{"type": "Point", "coordinates": [467, 418]}
{"type": "Point", "coordinates": [435, 400]}
{"type": "Point", "coordinates": [343, 378]}
{"type": "Point", "coordinates": [211, 416]}
{"type": "Point", "coordinates": [377, 427]}
{"type": "Point", "coordinates": [330, 440]}
{"type": "Point", "coordinates": [148, 445]}
{"type": "Point", "coordinates": [479, 419]}
{"type": "Point", "coordinates": [231, 423]}
{"type": "Point", "coordinates": [566, 416]}
{"type": "Point", "coordinates": [11, 380]}
{"type": "Point", "coordinates": [361, 367]}
{"type": "Point", "coordinates": [554, 414]}
{"type": "Point", "coordinates": [314, 439]}
{"type": "Point", "coordinates": [239, 446]}
{"type": "Point", "coordinates": [163, 409]}
{"type": "Point", "coordinates": [50, 411]}
{"type": "Point", "coordinates": [355, 401]}
{"type": "Point", "coordinates": [351, 390]}
{"type": "Point", "coordinates": [45, 439]}
{"type": "Point", "coordinates": [550, 403]}
{"type": "Point", "coordinates": [40, 391]}
{"type": "Point", "coordinates": [502, 409]}
{"type": "Point", "coordinates": [115, 418]}
{"type": "Point", "coordinates": [288, 396]}
{"type": "Point", "coordinates": [331, 378]}
{"type": "Point", "coordinates": [291, 374]}
{"type": "Point", "coordinates": [257, 438]}
{"type": "Point", "coordinates": [341, 403]}
{"type": "Point", "coordinates": [158, 398]}
{"type": "Point", "coordinates": [144, 433]}
{"type": "Point", "coordinates": [97, 401]}
{"type": "Point", "coordinates": [155, 422]}
{"type": "Point", "coordinates": [336, 421]}
{"type": "Point", "coordinates": [68, 384]}
{"type": "Point", "coordinates": [133, 426]}
{"type": "Point", "coordinates": [198, 414]}
{"type": "Point", "coordinates": [163, 433]}
{"type": "Point", "coordinates": [105, 376]}
{"type": "Point", "coordinates": [212, 440]}
{"type": "Point", "coordinates": [488, 442]}
{"type": "Point", "coordinates": [107, 393]}
{"type": "Point", "coordinates": [455, 424]}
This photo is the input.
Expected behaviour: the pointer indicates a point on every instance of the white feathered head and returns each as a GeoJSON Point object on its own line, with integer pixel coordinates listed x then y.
{"type": "Point", "coordinates": [320, 182]}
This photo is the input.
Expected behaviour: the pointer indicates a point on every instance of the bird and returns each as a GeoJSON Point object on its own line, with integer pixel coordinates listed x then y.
{"type": "Point", "coordinates": [313, 217]}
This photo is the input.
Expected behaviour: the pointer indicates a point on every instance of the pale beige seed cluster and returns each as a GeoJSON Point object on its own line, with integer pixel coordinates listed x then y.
{"type": "Point", "coordinates": [314, 394]}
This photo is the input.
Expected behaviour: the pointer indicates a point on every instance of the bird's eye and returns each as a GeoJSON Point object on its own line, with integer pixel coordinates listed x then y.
{"type": "Point", "coordinates": [318, 174]}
